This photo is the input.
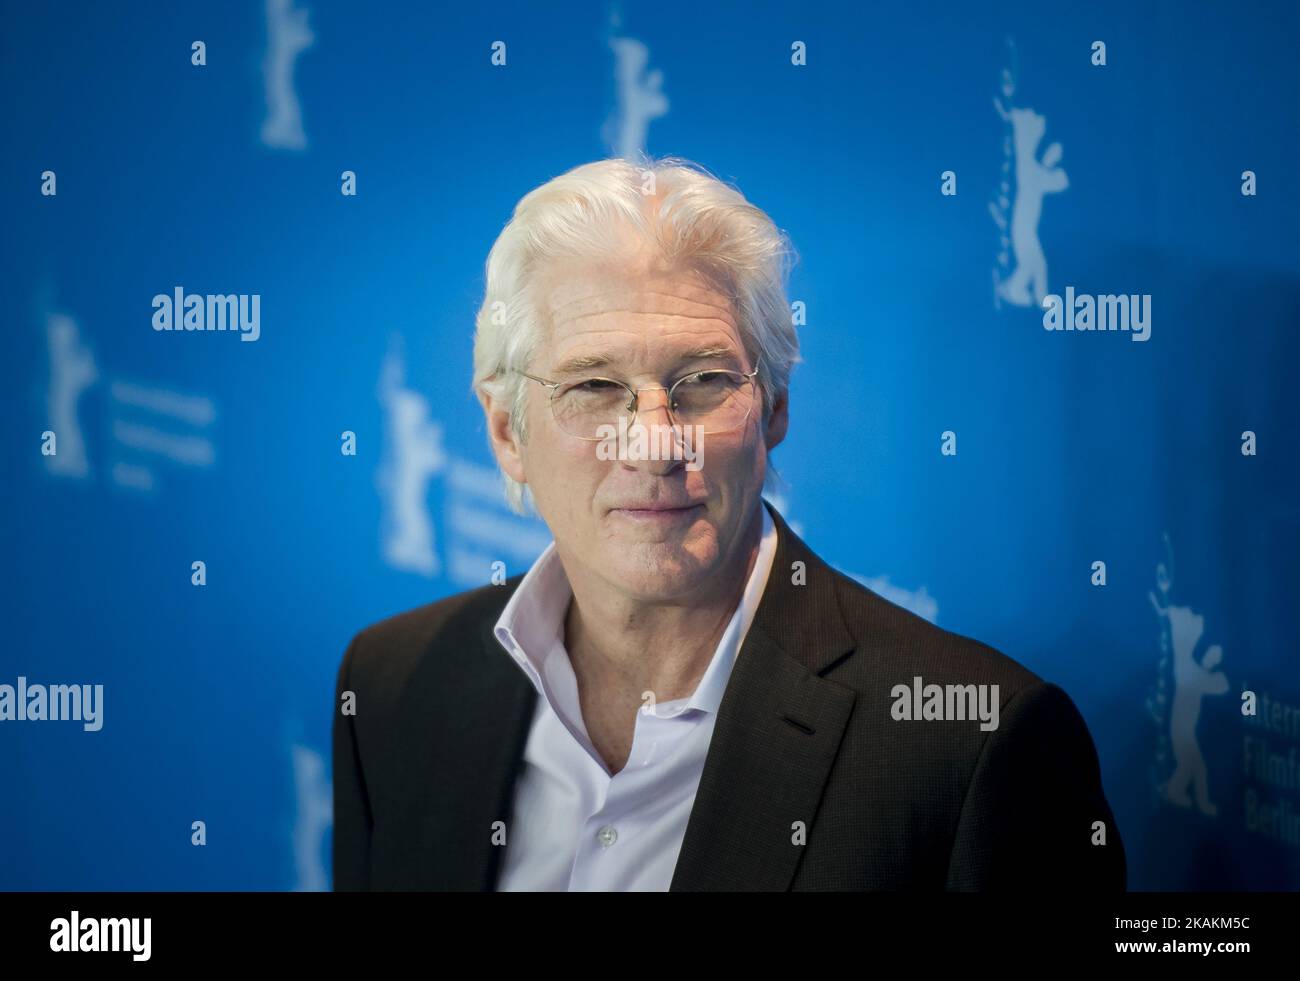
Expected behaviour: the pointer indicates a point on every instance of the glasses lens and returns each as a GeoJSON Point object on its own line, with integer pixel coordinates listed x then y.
{"type": "Point", "coordinates": [720, 401]}
{"type": "Point", "coordinates": [582, 408]}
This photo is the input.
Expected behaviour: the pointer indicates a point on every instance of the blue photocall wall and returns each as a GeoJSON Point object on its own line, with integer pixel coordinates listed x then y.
{"type": "Point", "coordinates": [942, 169]}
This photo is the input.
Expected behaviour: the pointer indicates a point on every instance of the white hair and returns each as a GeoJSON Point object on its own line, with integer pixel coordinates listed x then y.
{"type": "Point", "coordinates": [691, 219]}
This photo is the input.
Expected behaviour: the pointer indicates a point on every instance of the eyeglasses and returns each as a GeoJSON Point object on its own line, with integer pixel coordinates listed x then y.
{"type": "Point", "coordinates": [717, 399]}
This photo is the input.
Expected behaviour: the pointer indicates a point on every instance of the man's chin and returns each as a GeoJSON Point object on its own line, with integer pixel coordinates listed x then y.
{"type": "Point", "coordinates": [657, 570]}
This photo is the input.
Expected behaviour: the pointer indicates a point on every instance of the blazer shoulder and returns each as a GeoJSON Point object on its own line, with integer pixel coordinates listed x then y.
{"type": "Point", "coordinates": [898, 639]}
{"type": "Point", "coordinates": [391, 648]}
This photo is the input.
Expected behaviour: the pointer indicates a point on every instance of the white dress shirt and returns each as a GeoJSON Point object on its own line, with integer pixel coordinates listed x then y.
{"type": "Point", "coordinates": [574, 826]}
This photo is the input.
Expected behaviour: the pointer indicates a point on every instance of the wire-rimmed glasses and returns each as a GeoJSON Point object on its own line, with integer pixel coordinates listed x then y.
{"type": "Point", "coordinates": [718, 399]}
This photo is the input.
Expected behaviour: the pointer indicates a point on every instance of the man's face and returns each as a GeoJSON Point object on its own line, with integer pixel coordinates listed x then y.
{"type": "Point", "coordinates": [653, 327]}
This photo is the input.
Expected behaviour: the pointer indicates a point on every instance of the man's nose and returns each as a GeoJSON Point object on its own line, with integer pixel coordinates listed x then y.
{"type": "Point", "coordinates": [648, 402]}
{"type": "Point", "coordinates": [652, 410]}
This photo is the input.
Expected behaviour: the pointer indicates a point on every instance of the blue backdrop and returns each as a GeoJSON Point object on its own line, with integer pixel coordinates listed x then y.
{"type": "Point", "coordinates": [940, 169]}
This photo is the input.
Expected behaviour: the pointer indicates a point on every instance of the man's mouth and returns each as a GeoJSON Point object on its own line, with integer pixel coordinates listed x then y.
{"type": "Point", "coordinates": [657, 513]}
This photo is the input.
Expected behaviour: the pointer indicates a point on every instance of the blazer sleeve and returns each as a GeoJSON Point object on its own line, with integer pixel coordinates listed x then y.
{"type": "Point", "coordinates": [352, 818]}
{"type": "Point", "coordinates": [1028, 820]}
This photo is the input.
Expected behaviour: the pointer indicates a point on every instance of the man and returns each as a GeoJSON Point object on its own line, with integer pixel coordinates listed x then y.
{"type": "Point", "coordinates": [680, 694]}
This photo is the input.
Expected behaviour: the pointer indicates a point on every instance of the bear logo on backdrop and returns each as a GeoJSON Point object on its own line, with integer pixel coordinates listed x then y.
{"type": "Point", "coordinates": [147, 423]}
{"type": "Point", "coordinates": [313, 817]}
{"type": "Point", "coordinates": [485, 540]}
{"type": "Point", "coordinates": [413, 454]}
{"type": "Point", "coordinates": [1017, 216]}
{"type": "Point", "coordinates": [1177, 712]}
{"type": "Point", "coordinates": [287, 36]}
{"type": "Point", "coordinates": [72, 371]}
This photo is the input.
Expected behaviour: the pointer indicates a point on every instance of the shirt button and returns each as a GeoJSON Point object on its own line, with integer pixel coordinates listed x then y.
{"type": "Point", "coordinates": [607, 836]}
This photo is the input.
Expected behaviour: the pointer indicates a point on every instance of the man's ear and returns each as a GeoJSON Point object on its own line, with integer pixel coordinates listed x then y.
{"type": "Point", "coordinates": [505, 446]}
{"type": "Point", "coordinates": [778, 421]}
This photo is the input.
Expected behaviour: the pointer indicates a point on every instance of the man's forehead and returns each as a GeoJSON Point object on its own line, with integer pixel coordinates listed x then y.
{"type": "Point", "coordinates": [573, 291]}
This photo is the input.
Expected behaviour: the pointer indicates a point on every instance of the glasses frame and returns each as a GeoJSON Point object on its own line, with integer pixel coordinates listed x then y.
{"type": "Point", "coordinates": [635, 395]}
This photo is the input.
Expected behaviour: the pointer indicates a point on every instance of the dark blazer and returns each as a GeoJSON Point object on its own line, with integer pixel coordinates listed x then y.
{"type": "Point", "coordinates": [804, 734]}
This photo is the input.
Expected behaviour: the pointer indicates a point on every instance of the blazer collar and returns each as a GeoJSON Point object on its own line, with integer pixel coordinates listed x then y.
{"type": "Point", "coordinates": [775, 739]}
{"type": "Point", "coordinates": [777, 733]}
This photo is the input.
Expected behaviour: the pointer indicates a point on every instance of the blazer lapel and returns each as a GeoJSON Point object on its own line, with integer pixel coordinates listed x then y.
{"type": "Point", "coordinates": [464, 784]}
{"type": "Point", "coordinates": [776, 737]}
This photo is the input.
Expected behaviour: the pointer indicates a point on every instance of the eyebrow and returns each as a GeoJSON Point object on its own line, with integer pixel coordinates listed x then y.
{"type": "Point", "coordinates": [585, 362]}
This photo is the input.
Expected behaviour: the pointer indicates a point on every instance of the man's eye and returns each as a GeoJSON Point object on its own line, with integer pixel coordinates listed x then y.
{"type": "Point", "coordinates": [595, 388]}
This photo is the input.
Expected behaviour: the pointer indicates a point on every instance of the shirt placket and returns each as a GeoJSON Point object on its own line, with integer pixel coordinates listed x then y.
{"type": "Point", "coordinates": [599, 863]}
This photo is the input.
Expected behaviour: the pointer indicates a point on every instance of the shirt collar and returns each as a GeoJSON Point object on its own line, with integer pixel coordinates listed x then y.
{"type": "Point", "coordinates": [531, 627]}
